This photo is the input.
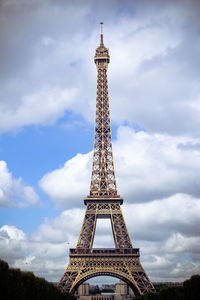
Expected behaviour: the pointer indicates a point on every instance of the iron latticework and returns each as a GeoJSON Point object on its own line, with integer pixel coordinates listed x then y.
{"type": "Point", "coordinates": [103, 175]}
{"type": "Point", "coordinates": [104, 202]}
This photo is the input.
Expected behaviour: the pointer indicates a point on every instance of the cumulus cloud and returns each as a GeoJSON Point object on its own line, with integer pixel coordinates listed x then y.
{"type": "Point", "coordinates": [44, 107]}
{"type": "Point", "coordinates": [61, 184]}
{"type": "Point", "coordinates": [37, 85]}
{"type": "Point", "coordinates": [150, 46]}
{"type": "Point", "coordinates": [45, 252]}
{"type": "Point", "coordinates": [52, 229]}
{"type": "Point", "coordinates": [44, 259]}
{"type": "Point", "coordinates": [13, 243]}
{"type": "Point", "coordinates": [13, 193]}
{"type": "Point", "coordinates": [159, 219]}
{"type": "Point", "coordinates": [151, 166]}
{"type": "Point", "coordinates": [148, 167]}
{"type": "Point", "coordinates": [160, 79]}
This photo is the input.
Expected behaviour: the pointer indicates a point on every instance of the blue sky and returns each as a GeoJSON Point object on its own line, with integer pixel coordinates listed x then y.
{"type": "Point", "coordinates": [47, 107]}
{"type": "Point", "coordinates": [34, 151]}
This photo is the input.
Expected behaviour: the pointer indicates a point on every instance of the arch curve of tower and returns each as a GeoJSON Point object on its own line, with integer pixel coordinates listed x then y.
{"type": "Point", "coordinates": [118, 275]}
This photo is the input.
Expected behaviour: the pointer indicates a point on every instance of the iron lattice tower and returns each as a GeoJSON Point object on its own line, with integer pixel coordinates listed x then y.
{"type": "Point", "coordinates": [104, 202]}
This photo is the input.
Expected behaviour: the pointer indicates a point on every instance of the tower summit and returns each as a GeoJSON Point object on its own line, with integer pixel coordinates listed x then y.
{"type": "Point", "coordinates": [104, 202]}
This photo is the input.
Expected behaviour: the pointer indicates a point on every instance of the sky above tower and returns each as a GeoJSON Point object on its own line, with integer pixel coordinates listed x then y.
{"type": "Point", "coordinates": [47, 107]}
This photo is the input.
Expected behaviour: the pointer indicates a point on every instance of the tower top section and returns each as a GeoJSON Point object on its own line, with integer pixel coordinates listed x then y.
{"type": "Point", "coordinates": [102, 57]}
{"type": "Point", "coordinates": [103, 184]}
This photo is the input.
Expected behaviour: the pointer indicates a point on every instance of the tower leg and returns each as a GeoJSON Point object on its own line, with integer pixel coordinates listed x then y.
{"type": "Point", "coordinates": [86, 236]}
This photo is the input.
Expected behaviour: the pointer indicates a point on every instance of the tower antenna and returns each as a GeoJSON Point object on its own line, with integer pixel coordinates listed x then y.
{"type": "Point", "coordinates": [101, 34]}
{"type": "Point", "coordinates": [101, 27]}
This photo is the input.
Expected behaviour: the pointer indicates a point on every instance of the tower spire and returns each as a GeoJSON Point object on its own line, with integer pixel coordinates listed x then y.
{"type": "Point", "coordinates": [101, 44]}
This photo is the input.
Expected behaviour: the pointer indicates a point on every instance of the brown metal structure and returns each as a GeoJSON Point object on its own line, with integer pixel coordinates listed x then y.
{"type": "Point", "coordinates": [104, 202]}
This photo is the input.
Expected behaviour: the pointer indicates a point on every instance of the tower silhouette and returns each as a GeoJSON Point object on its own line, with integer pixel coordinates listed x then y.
{"type": "Point", "coordinates": [104, 202]}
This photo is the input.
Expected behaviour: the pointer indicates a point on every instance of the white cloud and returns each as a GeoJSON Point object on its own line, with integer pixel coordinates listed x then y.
{"type": "Point", "coordinates": [53, 230]}
{"type": "Point", "coordinates": [29, 195]}
{"type": "Point", "coordinates": [148, 167]}
{"type": "Point", "coordinates": [42, 107]}
{"type": "Point", "coordinates": [153, 73]}
{"type": "Point", "coordinates": [180, 243]}
{"type": "Point", "coordinates": [13, 233]}
{"type": "Point", "coordinates": [151, 166]}
{"type": "Point", "coordinates": [13, 193]}
{"type": "Point", "coordinates": [66, 186]}
{"type": "Point", "coordinates": [158, 220]}
{"type": "Point", "coordinates": [43, 258]}
{"type": "Point", "coordinates": [12, 243]}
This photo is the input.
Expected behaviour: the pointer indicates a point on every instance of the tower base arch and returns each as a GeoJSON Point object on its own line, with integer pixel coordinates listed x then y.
{"type": "Point", "coordinates": [125, 266]}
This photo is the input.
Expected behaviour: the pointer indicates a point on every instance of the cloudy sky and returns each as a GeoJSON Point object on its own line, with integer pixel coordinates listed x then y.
{"type": "Point", "coordinates": [47, 106]}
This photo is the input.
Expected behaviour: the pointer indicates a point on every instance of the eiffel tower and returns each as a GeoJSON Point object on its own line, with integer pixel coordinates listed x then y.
{"type": "Point", "coordinates": [104, 202]}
